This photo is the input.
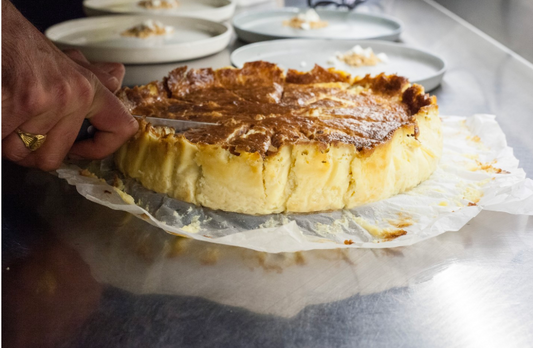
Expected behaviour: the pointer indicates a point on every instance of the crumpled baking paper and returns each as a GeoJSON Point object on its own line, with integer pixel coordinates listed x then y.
{"type": "Point", "coordinates": [477, 171]}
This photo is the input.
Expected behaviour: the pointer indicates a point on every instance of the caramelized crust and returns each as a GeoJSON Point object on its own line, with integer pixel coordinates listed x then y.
{"type": "Point", "coordinates": [259, 109]}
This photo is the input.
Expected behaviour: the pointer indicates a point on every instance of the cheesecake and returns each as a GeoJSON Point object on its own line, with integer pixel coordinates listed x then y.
{"type": "Point", "coordinates": [284, 141]}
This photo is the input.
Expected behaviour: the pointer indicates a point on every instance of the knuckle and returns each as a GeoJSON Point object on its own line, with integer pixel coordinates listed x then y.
{"type": "Point", "coordinates": [33, 101]}
{"type": "Point", "coordinates": [62, 94]}
{"type": "Point", "coordinates": [85, 91]}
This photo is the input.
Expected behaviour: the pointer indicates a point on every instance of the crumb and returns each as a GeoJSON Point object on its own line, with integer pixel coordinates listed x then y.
{"type": "Point", "coordinates": [348, 242]}
{"type": "Point", "coordinates": [488, 167]}
{"type": "Point", "coordinates": [475, 138]}
{"type": "Point", "coordinates": [87, 173]}
{"type": "Point", "coordinates": [194, 226]}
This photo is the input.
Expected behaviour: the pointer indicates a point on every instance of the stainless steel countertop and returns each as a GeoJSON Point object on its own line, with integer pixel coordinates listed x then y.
{"type": "Point", "coordinates": [76, 274]}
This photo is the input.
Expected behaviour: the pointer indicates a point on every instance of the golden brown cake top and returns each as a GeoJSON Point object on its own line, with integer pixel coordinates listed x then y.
{"type": "Point", "coordinates": [259, 107]}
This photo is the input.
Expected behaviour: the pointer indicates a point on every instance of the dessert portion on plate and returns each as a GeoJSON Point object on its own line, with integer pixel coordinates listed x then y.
{"type": "Point", "coordinates": [359, 56]}
{"type": "Point", "coordinates": [148, 28]}
{"type": "Point", "coordinates": [158, 4]}
{"type": "Point", "coordinates": [306, 21]}
{"type": "Point", "coordinates": [285, 141]}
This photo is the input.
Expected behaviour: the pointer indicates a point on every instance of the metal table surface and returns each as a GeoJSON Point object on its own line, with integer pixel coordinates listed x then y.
{"type": "Point", "coordinates": [76, 274]}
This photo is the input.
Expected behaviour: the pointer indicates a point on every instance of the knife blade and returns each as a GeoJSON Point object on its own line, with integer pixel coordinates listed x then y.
{"type": "Point", "coordinates": [87, 130]}
{"type": "Point", "coordinates": [178, 125]}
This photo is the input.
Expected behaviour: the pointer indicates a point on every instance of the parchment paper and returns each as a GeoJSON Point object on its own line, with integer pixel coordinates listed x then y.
{"type": "Point", "coordinates": [477, 171]}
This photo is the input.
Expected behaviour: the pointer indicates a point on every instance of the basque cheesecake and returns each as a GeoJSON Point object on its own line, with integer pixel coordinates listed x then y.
{"type": "Point", "coordinates": [284, 142]}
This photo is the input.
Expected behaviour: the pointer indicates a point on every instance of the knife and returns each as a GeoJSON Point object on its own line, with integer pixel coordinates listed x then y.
{"type": "Point", "coordinates": [87, 130]}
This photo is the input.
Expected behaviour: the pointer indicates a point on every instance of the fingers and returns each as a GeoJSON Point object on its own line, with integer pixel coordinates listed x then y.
{"type": "Point", "coordinates": [113, 123]}
{"type": "Point", "coordinates": [49, 156]}
{"type": "Point", "coordinates": [116, 70]}
{"type": "Point", "coordinates": [76, 55]}
{"type": "Point", "coordinates": [107, 114]}
{"type": "Point", "coordinates": [109, 74]}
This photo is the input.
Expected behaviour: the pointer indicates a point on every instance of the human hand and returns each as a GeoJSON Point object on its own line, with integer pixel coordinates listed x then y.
{"type": "Point", "coordinates": [109, 74]}
{"type": "Point", "coordinates": [46, 92]}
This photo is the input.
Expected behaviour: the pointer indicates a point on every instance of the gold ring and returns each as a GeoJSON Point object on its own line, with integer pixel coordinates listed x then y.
{"type": "Point", "coordinates": [31, 141]}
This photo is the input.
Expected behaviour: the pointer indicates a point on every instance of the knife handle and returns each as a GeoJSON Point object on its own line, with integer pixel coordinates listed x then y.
{"type": "Point", "coordinates": [87, 131]}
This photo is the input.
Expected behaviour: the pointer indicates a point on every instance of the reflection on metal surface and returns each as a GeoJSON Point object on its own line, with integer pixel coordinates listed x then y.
{"type": "Point", "coordinates": [132, 255]}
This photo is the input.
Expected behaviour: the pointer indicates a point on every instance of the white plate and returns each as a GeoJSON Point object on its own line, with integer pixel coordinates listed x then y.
{"type": "Point", "coordinates": [344, 25]}
{"type": "Point", "coordinates": [417, 65]}
{"type": "Point", "coordinates": [213, 10]}
{"type": "Point", "coordinates": [99, 39]}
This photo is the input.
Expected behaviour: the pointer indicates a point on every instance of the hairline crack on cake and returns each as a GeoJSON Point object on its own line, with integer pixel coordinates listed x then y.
{"type": "Point", "coordinates": [285, 142]}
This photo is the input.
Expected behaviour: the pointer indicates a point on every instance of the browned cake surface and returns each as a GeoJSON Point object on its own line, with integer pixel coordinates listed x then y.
{"type": "Point", "coordinates": [259, 108]}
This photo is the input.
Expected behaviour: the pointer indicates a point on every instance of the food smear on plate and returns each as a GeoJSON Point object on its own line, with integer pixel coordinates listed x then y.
{"type": "Point", "coordinates": [148, 29]}
{"type": "Point", "coordinates": [359, 56]}
{"type": "Point", "coordinates": [158, 4]}
{"type": "Point", "coordinates": [306, 21]}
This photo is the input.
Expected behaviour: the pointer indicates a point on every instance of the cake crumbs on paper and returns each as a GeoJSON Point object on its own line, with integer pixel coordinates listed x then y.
{"type": "Point", "coordinates": [487, 167]}
{"type": "Point", "coordinates": [194, 226]}
{"type": "Point", "coordinates": [270, 223]}
{"type": "Point", "coordinates": [87, 173]}
{"type": "Point", "coordinates": [474, 138]}
{"type": "Point", "coordinates": [273, 222]}
{"type": "Point", "coordinates": [335, 227]}
{"type": "Point", "coordinates": [386, 234]}
{"type": "Point", "coordinates": [402, 221]}
{"type": "Point", "coordinates": [472, 195]}
{"type": "Point", "coordinates": [118, 186]}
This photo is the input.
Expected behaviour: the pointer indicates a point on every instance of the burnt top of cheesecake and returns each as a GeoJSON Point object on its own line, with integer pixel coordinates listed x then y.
{"type": "Point", "coordinates": [259, 107]}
